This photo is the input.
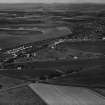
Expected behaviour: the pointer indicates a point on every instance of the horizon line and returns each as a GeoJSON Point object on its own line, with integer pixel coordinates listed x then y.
{"type": "Point", "coordinates": [52, 3]}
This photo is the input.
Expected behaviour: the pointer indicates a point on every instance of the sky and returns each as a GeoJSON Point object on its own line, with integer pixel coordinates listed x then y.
{"type": "Point", "coordinates": [51, 1]}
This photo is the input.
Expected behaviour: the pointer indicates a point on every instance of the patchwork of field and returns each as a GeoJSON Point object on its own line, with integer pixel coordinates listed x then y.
{"type": "Point", "coordinates": [78, 61]}
{"type": "Point", "coordinates": [21, 96]}
{"type": "Point", "coordinates": [9, 41]}
{"type": "Point", "coordinates": [30, 23]}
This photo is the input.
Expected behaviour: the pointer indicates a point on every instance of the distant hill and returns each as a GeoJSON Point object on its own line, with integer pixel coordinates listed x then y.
{"type": "Point", "coordinates": [82, 6]}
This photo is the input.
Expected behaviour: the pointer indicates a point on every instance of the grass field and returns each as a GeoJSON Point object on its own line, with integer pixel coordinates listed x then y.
{"type": "Point", "coordinates": [7, 82]}
{"type": "Point", "coordinates": [88, 46]}
{"type": "Point", "coordinates": [92, 76]}
{"type": "Point", "coordinates": [15, 91]}
{"type": "Point", "coordinates": [20, 96]}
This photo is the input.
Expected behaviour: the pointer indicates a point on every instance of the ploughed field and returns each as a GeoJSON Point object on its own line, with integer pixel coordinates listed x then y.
{"type": "Point", "coordinates": [67, 95]}
{"type": "Point", "coordinates": [99, 90]}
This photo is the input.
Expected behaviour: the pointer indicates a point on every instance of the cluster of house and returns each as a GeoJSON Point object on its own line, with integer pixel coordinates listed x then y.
{"type": "Point", "coordinates": [28, 52]}
{"type": "Point", "coordinates": [14, 53]}
{"type": "Point", "coordinates": [16, 50]}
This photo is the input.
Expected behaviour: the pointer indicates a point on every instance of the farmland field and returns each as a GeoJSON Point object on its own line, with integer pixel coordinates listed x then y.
{"type": "Point", "coordinates": [57, 44]}
{"type": "Point", "coordinates": [9, 41]}
{"type": "Point", "coordinates": [22, 96]}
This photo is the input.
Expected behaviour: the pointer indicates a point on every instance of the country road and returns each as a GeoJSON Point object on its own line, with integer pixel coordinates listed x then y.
{"type": "Point", "coordinates": [67, 95]}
